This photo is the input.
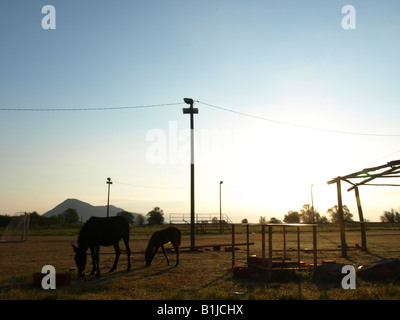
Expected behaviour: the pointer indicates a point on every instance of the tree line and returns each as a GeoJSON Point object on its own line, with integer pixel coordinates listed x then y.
{"type": "Point", "coordinates": [308, 214]}
{"type": "Point", "coordinates": [154, 217]}
{"type": "Point", "coordinates": [70, 218]}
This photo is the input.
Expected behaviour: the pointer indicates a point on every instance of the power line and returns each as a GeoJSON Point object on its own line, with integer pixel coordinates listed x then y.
{"type": "Point", "coordinates": [298, 125]}
{"type": "Point", "coordinates": [89, 109]}
{"type": "Point", "coordinates": [205, 104]}
{"type": "Point", "coordinates": [381, 158]}
{"type": "Point", "coordinates": [163, 188]}
{"type": "Point", "coordinates": [150, 187]}
{"type": "Point", "coordinates": [156, 187]}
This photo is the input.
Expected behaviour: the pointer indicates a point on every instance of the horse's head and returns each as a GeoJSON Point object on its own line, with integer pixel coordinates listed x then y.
{"type": "Point", "coordinates": [80, 260]}
{"type": "Point", "coordinates": [149, 256]}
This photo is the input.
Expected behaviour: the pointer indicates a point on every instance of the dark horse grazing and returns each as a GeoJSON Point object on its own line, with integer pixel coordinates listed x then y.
{"type": "Point", "coordinates": [158, 239]}
{"type": "Point", "coordinates": [98, 232]}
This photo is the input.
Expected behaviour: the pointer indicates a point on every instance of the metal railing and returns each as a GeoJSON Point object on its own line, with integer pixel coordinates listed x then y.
{"type": "Point", "coordinates": [202, 218]}
{"type": "Point", "coordinates": [204, 222]}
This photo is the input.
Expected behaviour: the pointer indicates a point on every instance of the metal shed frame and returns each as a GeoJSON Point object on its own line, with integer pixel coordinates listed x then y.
{"type": "Point", "coordinates": [389, 170]}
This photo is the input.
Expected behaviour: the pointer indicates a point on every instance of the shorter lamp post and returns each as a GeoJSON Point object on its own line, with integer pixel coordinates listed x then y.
{"type": "Point", "coordinates": [220, 208]}
{"type": "Point", "coordinates": [108, 199]}
{"type": "Point", "coordinates": [312, 205]}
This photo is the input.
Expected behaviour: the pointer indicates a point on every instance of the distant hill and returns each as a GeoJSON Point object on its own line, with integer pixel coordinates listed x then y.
{"type": "Point", "coordinates": [85, 210]}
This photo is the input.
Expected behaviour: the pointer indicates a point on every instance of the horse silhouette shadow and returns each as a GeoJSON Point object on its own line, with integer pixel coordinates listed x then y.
{"type": "Point", "coordinates": [131, 274]}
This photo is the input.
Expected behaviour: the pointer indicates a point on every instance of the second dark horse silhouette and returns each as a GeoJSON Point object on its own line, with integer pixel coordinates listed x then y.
{"type": "Point", "coordinates": [158, 239]}
{"type": "Point", "coordinates": [98, 232]}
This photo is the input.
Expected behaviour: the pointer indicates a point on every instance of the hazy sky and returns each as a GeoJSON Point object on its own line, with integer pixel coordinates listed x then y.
{"type": "Point", "coordinates": [287, 61]}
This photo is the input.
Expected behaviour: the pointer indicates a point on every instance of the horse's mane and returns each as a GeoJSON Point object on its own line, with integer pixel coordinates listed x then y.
{"type": "Point", "coordinates": [82, 233]}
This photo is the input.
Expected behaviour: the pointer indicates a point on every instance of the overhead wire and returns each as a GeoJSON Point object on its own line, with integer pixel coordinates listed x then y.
{"type": "Point", "coordinates": [90, 109]}
{"type": "Point", "coordinates": [381, 158]}
{"type": "Point", "coordinates": [205, 104]}
{"type": "Point", "coordinates": [161, 187]}
{"type": "Point", "coordinates": [297, 125]}
{"type": "Point", "coordinates": [150, 187]}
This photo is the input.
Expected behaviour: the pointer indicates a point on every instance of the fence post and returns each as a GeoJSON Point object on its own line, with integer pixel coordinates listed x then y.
{"type": "Point", "coordinates": [248, 242]}
{"type": "Point", "coordinates": [263, 240]}
{"type": "Point", "coordinates": [315, 245]}
{"type": "Point", "coordinates": [298, 245]}
{"type": "Point", "coordinates": [270, 247]}
{"type": "Point", "coordinates": [284, 243]}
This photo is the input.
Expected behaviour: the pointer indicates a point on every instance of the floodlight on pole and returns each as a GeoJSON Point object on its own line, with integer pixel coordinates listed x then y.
{"type": "Point", "coordinates": [188, 101]}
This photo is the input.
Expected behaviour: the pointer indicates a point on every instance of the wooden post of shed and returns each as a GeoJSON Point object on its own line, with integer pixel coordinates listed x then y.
{"type": "Point", "coordinates": [233, 245]}
{"type": "Point", "coordinates": [248, 241]}
{"type": "Point", "coordinates": [362, 222]}
{"type": "Point", "coordinates": [341, 219]}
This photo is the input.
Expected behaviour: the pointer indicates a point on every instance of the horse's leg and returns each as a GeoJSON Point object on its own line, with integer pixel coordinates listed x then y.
{"type": "Point", "coordinates": [92, 253]}
{"type": "Point", "coordinates": [117, 254]}
{"type": "Point", "coordinates": [128, 252]}
{"type": "Point", "coordinates": [165, 254]}
{"type": "Point", "coordinates": [176, 247]}
{"type": "Point", "coordinates": [98, 261]}
{"type": "Point", "coordinates": [156, 247]}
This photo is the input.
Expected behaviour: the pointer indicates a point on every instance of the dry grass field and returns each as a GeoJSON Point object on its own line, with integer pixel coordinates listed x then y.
{"type": "Point", "coordinates": [200, 275]}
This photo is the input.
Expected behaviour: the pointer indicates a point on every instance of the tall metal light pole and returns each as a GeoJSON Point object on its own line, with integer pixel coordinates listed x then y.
{"type": "Point", "coordinates": [108, 199]}
{"type": "Point", "coordinates": [220, 208]}
{"type": "Point", "coordinates": [312, 205]}
{"type": "Point", "coordinates": [191, 111]}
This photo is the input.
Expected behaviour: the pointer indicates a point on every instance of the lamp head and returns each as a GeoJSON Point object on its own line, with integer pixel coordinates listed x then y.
{"type": "Point", "coordinates": [188, 101]}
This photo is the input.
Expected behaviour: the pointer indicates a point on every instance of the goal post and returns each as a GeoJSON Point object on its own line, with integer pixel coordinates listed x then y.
{"type": "Point", "coordinates": [17, 228]}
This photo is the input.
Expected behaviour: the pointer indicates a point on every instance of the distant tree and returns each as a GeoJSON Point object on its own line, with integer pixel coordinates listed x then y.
{"type": "Point", "coordinates": [38, 220]}
{"type": "Point", "coordinates": [390, 216]}
{"type": "Point", "coordinates": [140, 219]}
{"type": "Point", "coordinates": [333, 212]}
{"type": "Point", "coordinates": [4, 220]}
{"type": "Point", "coordinates": [308, 215]}
{"type": "Point", "coordinates": [274, 220]}
{"type": "Point", "coordinates": [262, 220]}
{"type": "Point", "coordinates": [292, 217]}
{"type": "Point", "coordinates": [155, 216]}
{"type": "Point", "coordinates": [34, 214]}
{"type": "Point", "coordinates": [127, 215]}
{"type": "Point", "coordinates": [323, 220]}
{"type": "Point", "coordinates": [70, 215]}
{"type": "Point", "coordinates": [245, 221]}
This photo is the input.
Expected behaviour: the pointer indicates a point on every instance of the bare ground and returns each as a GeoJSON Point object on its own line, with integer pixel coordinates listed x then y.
{"type": "Point", "coordinates": [200, 275]}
